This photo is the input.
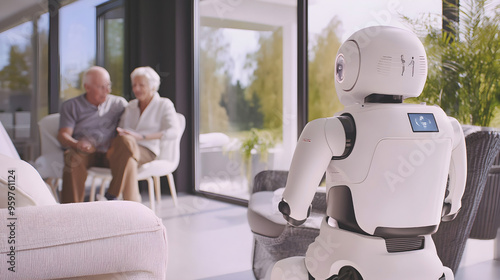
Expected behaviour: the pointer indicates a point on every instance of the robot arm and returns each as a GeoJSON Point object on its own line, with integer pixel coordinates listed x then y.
{"type": "Point", "coordinates": [457, 174]}
{"type": "Point", "coordinates": [320, 140]}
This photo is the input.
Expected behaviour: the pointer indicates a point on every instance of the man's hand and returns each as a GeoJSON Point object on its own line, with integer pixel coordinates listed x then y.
{"type": "Point", "coordinates": [65, 138]}
{"type": "Point", "coordinates": [85, 146]}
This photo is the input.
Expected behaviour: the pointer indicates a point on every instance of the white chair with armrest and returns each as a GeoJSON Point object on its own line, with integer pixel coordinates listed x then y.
{"type": "Point", "coordinates": [50, 163]}
{"type": "Point", "coordinates": [166, 163]}
{"type": "Point", "coordinates": [7, 147]}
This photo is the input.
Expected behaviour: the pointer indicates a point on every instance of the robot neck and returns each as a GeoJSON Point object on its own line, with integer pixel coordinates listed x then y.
{"type": "Point", "coordinates": [383, 98]}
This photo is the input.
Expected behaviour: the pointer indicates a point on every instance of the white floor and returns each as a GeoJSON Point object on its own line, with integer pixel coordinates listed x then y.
{"type": "Point", "coordinates": [478, 261]}
{"type": "Point", "coordinates": [207, 239]}
{"type": "Point", "coordinates": [211, 240]}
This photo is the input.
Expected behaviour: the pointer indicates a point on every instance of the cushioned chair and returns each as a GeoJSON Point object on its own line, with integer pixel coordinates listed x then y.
{"type": "Point", "coordinates": [166, 163]}
{"type": "Point", "coordinates": [487, 219]}
{"type": "Point", "coordinates": [7, 147]}
{"type": "Point", "coordinates": [98, 240]}
{"type": "Point", "coordinates": [50, 163]}
{"type": "Point", "coordinates": [274, 239]}
{"type": "Point", "coordinates": [483, 145]}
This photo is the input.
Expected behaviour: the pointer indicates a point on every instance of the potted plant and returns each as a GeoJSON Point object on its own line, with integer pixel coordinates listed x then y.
{"type": "Point", "coordinates": [257, 142]}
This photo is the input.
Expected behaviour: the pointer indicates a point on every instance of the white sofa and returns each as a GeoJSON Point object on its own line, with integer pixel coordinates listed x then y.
{"type": "Point", "coordinates": [41, 239]}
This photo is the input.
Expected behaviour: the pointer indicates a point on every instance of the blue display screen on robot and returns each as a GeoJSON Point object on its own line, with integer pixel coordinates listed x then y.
{"type": "Point", "coordinates": [423, 122]}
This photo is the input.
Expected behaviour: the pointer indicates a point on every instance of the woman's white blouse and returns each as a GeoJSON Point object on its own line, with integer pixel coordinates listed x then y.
{"type": "Point", "coordinates": [159, 116]}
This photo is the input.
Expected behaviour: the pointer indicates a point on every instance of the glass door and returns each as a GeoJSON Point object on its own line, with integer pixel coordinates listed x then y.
{"type": "Point", "coordinates": [245, 91]}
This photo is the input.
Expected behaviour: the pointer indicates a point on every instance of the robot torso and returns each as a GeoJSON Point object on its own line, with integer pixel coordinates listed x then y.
{"type": "Point", "coordinates": [397, 170]}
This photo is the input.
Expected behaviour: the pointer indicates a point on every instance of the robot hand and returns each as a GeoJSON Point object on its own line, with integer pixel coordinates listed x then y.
{"type": "Point", "coordinates": [284, 208]}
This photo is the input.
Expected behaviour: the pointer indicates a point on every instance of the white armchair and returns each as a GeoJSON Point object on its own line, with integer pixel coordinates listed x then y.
{"type": "Point", "coordinates": [7, 148]}
{"type": "Point", "coordinates": [97, 240]}
{"type": "Point", "coordinates": [50, 163]}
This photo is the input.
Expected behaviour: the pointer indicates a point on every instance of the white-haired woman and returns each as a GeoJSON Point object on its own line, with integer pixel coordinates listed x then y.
{"type": "Point", "coordinates": [146, 120]}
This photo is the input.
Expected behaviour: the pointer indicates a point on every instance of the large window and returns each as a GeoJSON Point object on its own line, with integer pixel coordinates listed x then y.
{"type": "Point", "coordinates": [246, 92]}
{"type": "Point", "coordinates": [16, 81]}
{"type": "Point", "coordinates": [77, 45]}
{"type": "Point", "coordinates": [331, 22]}
{"type": "Point", "coordinates": [24, 64]}
{"type": "Point", "coordinates": [23, 87]}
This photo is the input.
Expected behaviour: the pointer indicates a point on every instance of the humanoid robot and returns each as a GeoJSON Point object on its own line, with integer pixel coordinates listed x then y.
{"type": "Point", "coordinates": [393, 170]}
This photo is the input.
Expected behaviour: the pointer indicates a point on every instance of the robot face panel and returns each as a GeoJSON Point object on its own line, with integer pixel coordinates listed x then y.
{"type": "Point", "coordinates": [383, 60]}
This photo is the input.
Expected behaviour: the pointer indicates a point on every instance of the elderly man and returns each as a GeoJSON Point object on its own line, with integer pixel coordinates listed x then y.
{"type": "Point", "coordinates": [87, 126]}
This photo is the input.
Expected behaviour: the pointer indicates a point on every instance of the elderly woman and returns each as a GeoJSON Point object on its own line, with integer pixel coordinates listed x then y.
{"type": "Point", "coordinates": [146, 120]}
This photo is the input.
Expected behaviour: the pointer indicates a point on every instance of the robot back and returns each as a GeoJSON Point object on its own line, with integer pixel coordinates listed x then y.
{"type": "Point", "coordinates": [397, 171]}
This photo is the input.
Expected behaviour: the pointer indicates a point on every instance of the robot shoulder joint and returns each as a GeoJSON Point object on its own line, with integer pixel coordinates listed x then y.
{"type": "Point", "coordinates": [342, 143]}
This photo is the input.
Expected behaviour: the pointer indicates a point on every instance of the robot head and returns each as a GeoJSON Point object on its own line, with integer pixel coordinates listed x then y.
{"type": "Point", "coordinates": [380, 61]}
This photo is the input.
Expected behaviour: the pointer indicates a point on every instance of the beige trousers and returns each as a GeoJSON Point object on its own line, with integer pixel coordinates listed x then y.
{"type": "Point", "coordinates": [125, 156]}
{"type": "Point", "coordinates": [76, 164]}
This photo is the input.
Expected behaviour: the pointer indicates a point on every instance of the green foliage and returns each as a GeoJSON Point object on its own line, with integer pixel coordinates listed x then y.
{"type": "Point", "coordinates": [225, 106]}
{"type": "Point", "coordinates": [114, 53]}
{"type": "Point", "coordinates": [323, 100]}
{"type": "Point", "coordinates": [258, 140]}
{"type": "Point", "coordinates": [255, 111]}
{"type": "Point", "coordinates": [267, 78]}
{"type": "Point", "coordinates": [464, 69]}
{"type": "Point", "coordinates": [213, 79]}
{"type": "Point", "coordinates": [243, 114]}
{"type": "Point", "coordinates": [16, 75]}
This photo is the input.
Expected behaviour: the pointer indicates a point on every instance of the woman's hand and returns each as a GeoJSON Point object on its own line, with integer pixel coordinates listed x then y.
{"type": "Point", "coordinates": [123, 132]}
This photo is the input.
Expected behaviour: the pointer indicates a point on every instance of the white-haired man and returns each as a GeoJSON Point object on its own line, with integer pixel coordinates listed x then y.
{"type": "Point", "coordinates": [87, 126]}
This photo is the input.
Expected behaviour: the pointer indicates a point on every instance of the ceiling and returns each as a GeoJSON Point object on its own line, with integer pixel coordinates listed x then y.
{"type": "Point", "coordinates": [262, 15]}
{"type": "Point", "coordinates": [13, 12]}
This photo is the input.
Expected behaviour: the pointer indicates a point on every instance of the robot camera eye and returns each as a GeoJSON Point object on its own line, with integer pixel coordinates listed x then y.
{"type": "Point", "coordinates": [339, 68]}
